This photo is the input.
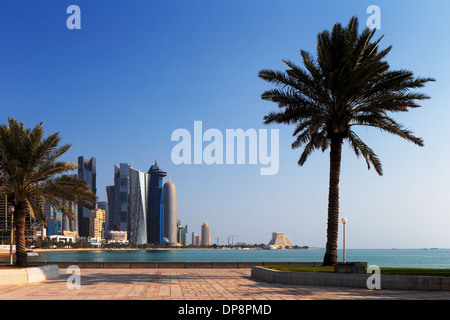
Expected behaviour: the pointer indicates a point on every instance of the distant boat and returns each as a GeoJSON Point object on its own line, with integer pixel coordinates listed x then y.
{"type": "Point", "coordinates": [31, 253]}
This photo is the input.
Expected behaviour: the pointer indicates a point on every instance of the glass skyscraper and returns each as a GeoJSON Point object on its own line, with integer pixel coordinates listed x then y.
{"type": "Point", "coordinates": [86, 172]}
{"type": "Point", "coordinates": [54, 219]}
{"type": "Point", "coordinates": [155, 216]}
{"type": "Point", "coordinates": [138, 205]}
{"type": "Point", "coordinates": [31, 225]}
{"type": "Point", "coordinates": [71, 224]}
{"type": "Point", "coordinates": [110, 223]}
{"type": "Point", "coordinates": [104, 206]}
{"type": "Point", "coordinates": [121, 190]}
{"type": "Point", "coordinates": [182, 234]}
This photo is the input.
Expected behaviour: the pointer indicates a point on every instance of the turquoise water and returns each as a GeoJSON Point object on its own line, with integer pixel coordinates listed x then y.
{"type": "Point", "coordinates": [411, 258]}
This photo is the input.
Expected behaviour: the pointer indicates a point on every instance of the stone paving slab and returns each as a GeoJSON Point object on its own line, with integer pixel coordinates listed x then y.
{"type": "Point", "coordinates": [192, 284]}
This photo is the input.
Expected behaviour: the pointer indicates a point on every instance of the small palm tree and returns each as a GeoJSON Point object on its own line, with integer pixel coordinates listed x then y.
{"type": "Point", "coordinates": [30, 175]}
{"type": "Point", "coordinates": [348, 85]}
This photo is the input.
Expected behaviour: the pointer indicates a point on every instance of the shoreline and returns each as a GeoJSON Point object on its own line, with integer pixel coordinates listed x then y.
{"type": "Point", "coordinates": [41, 250]}
{"type": "Point", "coordinates": [5, 254]}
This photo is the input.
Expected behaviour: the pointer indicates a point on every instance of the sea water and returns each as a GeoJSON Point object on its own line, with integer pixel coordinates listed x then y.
{"type": "Point", "coordinates": [408, 258]}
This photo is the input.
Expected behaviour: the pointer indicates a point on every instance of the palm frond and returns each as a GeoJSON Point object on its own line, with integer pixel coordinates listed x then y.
{"type": "Point", "coordinates": [360, 148]}
{"type": "Point", "coordinates": [347, 84]}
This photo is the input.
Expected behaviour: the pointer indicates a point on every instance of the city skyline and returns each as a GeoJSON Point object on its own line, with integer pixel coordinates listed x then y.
{"type": "Point", "coordinates": [117, 88]}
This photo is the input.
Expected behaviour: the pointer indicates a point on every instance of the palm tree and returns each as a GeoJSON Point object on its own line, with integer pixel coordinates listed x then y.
{"type": "Point", "coordinates": [347, 85]}
{"type": "Point", "coordinates": [30, 175]}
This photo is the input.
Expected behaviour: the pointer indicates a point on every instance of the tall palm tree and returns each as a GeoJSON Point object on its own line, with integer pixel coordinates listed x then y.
{"type": "Point", "coordinates": [347, 85]}
{"type": "Point", "coordinates": [31, 174]}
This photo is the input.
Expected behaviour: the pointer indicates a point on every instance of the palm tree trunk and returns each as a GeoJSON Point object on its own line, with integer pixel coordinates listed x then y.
{"type": "Point", "coordinates": [21, 250]}
{"type": "Point", "coordinates": [330, 258]}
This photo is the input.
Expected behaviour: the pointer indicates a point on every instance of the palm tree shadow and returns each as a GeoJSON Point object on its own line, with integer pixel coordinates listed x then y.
{"type": "Point", "coordinates": [250, 287]}
{"type": "Point", "coordinates": [313, 292]}
{"type": "Point", "coordinates": [94, 278]}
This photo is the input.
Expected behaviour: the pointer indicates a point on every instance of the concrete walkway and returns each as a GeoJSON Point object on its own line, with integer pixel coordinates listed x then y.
{"type": "Point", "coordinates": [195, 284]}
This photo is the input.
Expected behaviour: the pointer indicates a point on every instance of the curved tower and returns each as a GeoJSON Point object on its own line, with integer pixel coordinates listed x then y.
{"type": "Point", "coordinates": [206, 237]}
{"type": "Point", "coordinates": [170, 212]}
{"type": "Point", "coordinates": [137, 206]}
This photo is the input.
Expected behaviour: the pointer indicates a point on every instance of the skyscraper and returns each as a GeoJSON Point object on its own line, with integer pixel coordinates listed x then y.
{"type": "Point", "coordinates": [121, 189]}
{"type": "Point", "coordinates": [110, 222]}
{"type": "Point", "coordinates": [198, 240]}
{"type": "Point", "coordinates": [71, 224]}
{"type": "Point", "coordinates": [206, 238]}
{"type": "Point", "coordinates": [97, 223]}
{"type": "Point", "coordinates": [54, 219]}
{"type": "Point", "coordinates": [155, 216]}
{"type": "Point", "coordinates": [32, 227]}
{"type": "Point", "coordinates": [86, 172]}
{"type": "Point", "coordinates": [182, 235]}
{"type": "Point", "coordinates": [138, 205]}
{"type": "Point", "coordinates": [104, 206]}
{"type": "Point", "coordinates": [170, 212]}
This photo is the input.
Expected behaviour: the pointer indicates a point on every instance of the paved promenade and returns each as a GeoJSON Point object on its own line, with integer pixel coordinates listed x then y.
{"type": "Point", "coordinates": [191, 284]}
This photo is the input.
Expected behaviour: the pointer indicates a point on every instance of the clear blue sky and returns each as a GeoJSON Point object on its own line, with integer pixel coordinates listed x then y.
{"type": "Point", "coordinates": [139, 69]}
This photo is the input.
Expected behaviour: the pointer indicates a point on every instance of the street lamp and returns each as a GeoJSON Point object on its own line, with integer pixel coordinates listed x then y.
{"type": "Point", "coordinates": [344, 221]}
{"type": "Point", "coordinates": [11, 210]}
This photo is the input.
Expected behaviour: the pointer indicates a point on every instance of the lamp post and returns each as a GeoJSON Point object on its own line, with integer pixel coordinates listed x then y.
{"type": "Point", "coordinates": [344, 221]}
{"type": "Point", "coordinates": [11, 210]}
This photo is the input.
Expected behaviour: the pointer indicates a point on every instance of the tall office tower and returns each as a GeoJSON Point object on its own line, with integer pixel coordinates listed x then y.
{"type": "Point", "coordinates": [170, 212]}
{"type": "Point", "coordinates": [198, 240]}
{"type": "Point", "coordinates": [54, 219]}
{"type": "Point", "coordinates": [110, 222]}
{"type": "Point", "coordinates": [104, 206]}
{"type": "Point", "coordinates": [155, 216]}
{"type": "Point", "coordinates": [5, 220]}
{"type": "Point", "coordinates": [206, 238]}
{"type": "Point", "coordinates": [182, 235]}
{"type": "Point", "coordinates": [138, 206]}
{"type": "Point", "coordinates": [71, 224]}
{"type": "Point", "coordinates": [194, 234]}
{"type": "Point", "coordinates": [86, 172]}
{"type": "Point", "coordinates": [97, 223]}
{"type": "Point", "coordinates": [121, 190]}
{"type": "Point", "coordinates": [32, 227]}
